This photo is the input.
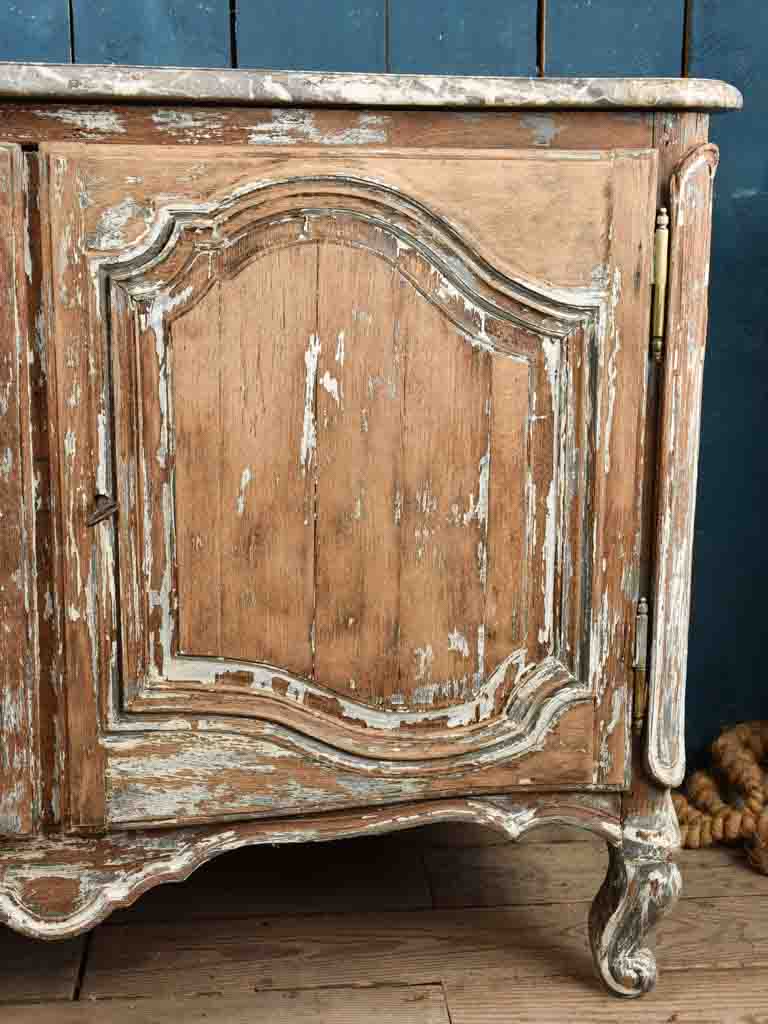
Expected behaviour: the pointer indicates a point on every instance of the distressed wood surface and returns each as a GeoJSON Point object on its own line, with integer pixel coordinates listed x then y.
{"type": "Point", "coordinates": [29, 972]}
{"type": "Point", "coordinates": [461, 37]}
{"type": "Point", "coordinates": [132, 124]}
{"type": "Point", "coordinates": [19, 661]}
{"type": "Point", "coordinates": [280, 88]}
{"type": "Point", "coordinates": [527, 945]}
{"type": "Point", "coordinates": [416, 1004]}
{"type": "Point", "coordinates": [149, 32]}
{"type": "Point", "coordinates": [718, 996]}
{"type": "Point", "coordinates": [537, 870]}
{"type": "Point", "coordinates": [451, 591]}
{"type": "Point", "coordinates": [56, 887]}
{"type": "Point", "coordinates": [685, 341]}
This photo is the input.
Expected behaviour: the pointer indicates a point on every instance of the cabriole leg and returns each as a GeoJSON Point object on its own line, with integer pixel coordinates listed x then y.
{"type": "Point", "coordinates": [641, 886]}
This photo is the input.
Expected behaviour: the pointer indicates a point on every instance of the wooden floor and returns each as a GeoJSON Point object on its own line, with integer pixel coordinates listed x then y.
{"type": "Point", "coordinates": [446, 925]}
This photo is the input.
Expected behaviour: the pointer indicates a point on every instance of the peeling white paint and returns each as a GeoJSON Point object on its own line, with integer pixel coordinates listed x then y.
{"type": "Point", "coordinates": [458, 642]}
{"type": "Point", "coordinates": [331, 385]}
{"type": "Point", "coordinates": [309, 430]}
{"type": "Point", "coordinates": [245, 479]}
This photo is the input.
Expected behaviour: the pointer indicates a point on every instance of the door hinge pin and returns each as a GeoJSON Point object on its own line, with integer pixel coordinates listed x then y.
{"type": "Point", "coordinates": [660, 272]}
{"type": "Point", "coordinates": [640, 665]}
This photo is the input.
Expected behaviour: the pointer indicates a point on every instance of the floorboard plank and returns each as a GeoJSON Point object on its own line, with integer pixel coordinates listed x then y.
{"type": "Point", "coordinates": [421, 1004]}
{"type": "Point", "coordinates": [418, 947]}
{"type": "Point", "coordinates": [517, 874]}
{"type": "Point", "coordinates": [720, 997]}
{"type": "Point", "coordinates": [32, 970]}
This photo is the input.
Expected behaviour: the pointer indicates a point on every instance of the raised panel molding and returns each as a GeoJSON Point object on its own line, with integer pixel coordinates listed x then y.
{"type": "Point", "coordinates": [508, 706]}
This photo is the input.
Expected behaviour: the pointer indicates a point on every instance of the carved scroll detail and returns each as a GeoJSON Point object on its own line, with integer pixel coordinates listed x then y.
{"type": "Point", "coordinates": [86, 878]}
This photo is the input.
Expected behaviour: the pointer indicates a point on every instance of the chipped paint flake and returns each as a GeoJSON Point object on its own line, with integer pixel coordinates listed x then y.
{"type": "Point", "coordinates": [245, 479]}
{"type": "Point", "coordinates": [458, 642]}
{"type": "Point", "coordinates": [331, 385]}
{"type": "Point", "coordinates": [425, 657]}
{"type": "Point", "coordinates": [309, 429]}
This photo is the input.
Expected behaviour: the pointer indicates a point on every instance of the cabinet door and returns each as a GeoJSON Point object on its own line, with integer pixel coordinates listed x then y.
{"type": "Point", "coordinates": [373, 425]}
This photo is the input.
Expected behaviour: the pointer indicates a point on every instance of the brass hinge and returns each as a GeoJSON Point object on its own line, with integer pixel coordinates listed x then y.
{"type": "Point", "coordinates": [640, 664]}
{"type": "Point", "coordinates": [660, 271]}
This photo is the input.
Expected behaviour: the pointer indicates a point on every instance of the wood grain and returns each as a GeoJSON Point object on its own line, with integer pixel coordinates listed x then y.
{"type": "Point", "coordinates": [534, 872]}
{"type": "Point", "coordinates": [196, 352]}
{"type": "Point", "coordinates": [268, 468]}
{"type": "Point", "coordinates": [32, 972]}
{"type": "Point", "coordinates": [190, 125]}
{"type": "Point", "coordinates": [678, 452]}
{"type": "Point", "coordinates": [541, 942]}
{"type": "Point", "coordinates": [443, 561]}
{"type": "Point", "coordinates": [416, 1004]}
{"type": "Point", "coordinates": [717, 996]}
{"type": "Point", "coordinates": [360, 379]}
{"type": "Point", "coordinates": [19, 661]}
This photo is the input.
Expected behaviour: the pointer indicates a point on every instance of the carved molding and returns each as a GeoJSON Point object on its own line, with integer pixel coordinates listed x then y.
{"type": "Point", "coordinates": [57, 887]}
{"type": "Point", "coordinates": [159, 280]}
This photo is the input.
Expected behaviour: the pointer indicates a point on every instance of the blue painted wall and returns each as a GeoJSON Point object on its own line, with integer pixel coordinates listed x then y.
{"type": "Point", "coordinates": [708, 38]}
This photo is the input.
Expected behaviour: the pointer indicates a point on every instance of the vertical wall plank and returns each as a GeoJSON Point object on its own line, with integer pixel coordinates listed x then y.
{"type": "Point", "coordinates": [35, 30]}
{"type": "Point", "coordinates": [481, 37]}
{"type": "Point", "coordinates": [730, 555]}
{"type": "Point", "coordinates": [590, 37]}
{"type": "Point", "coordinates": [308, 35]}
{"type": "Point", "coordinates": [177, 32]}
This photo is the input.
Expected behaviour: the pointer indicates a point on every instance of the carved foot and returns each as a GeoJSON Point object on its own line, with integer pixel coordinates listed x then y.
{"type": "Point", "coordinates": [641, 886]}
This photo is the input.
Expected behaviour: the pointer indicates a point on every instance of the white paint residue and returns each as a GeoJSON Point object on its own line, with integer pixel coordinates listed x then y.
{"type": "Point", "coordinates": [479, 511]}
{"type": "Point", "coordinates": [70, 444]}
{"type": "Point", "coordinates": [482, 562]}
{"type": "Point", "coordinates": [542, 127]}
{"type": "Point", "coordinates": [458, 642]}
{"type": "Point", "coordinates": [245, 479]}
{"type": "Point", "coordinates": [548, 557]}
{"type": "Point", "coordinates": [89, 122]}
{"type": "Point", "coordinates": [292, 126]}
{"type": "Point", "coordinates": [425, 656]}
{"type": "Point", "coordinates": [480, 653]}
{"type": "Point", "coordinates": [309, 431]}
{"type": "Point", "coordinates": [6, 464]}
{"type": "Point", "coordinates": [340, 348]}
{"type": "Point", "coordinates": [398, 507]}
{"type": "Point", "coordinates": [331, 385]}
{"type": "Point", "coordinates": [101, 469]}
{"type": "Point", "coordinates": [163, 305]}
{"type": "Point", "coordinates": [108, 233]}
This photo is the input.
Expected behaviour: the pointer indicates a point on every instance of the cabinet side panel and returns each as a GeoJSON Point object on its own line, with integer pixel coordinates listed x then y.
{"type": "Point", "coordinates": [678, 453]}
{"type": "Point", "coordinates": [18, 598]}
{"type": "Point", "coordinates": [621, 425]}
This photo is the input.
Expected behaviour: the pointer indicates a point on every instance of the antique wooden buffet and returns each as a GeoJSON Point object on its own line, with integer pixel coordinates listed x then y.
{"type": "Point", "coordinates": [348, 442]}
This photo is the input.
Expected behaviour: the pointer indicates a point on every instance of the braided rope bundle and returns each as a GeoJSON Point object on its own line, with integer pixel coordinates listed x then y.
{"type": "Point", "coordinates": [706, 818]}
